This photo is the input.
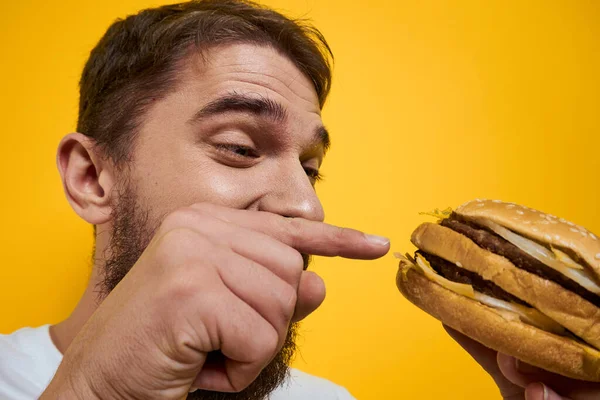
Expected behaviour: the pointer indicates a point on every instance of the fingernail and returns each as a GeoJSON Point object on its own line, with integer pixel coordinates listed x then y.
{"type": "Point", "coordinates": [525, 368]}
{"type": "Point", "coordinates": [192, 390]}
{"type": "Point", "coordinates": [550, 394]}
{"type": "Point", "coordinates": [378, 240]}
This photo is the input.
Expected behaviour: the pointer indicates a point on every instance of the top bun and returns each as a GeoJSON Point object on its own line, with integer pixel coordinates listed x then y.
{"type": "Point", "coordinates": [536, 225]}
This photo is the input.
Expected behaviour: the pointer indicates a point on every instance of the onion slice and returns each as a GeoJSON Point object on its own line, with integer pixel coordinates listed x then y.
{"type": "Point", "coordinates": [528, 315]}
{"type": "Point", "coordinates": [565, 259]}
{"type": "Point", "coordinates": [582, 276]}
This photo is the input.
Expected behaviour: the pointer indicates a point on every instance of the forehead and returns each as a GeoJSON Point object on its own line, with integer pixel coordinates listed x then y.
{"type": "Point", "coordinates": [251, 69]}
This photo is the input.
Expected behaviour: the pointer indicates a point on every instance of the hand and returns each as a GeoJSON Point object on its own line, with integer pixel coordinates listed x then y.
{"type": "Point", "coordinates": [518, 380]}
{"type": "Point", "coordinates": [212, 278]}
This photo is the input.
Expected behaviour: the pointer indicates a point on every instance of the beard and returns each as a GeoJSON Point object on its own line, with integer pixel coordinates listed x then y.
{"type": "Point", "coordinates": [131, 233]}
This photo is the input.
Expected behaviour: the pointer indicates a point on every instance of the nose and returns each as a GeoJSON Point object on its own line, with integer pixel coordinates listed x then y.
{"type": "Point", "coordinates": [291, 194]}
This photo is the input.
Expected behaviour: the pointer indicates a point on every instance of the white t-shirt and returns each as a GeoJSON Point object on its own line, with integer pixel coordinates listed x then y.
{"type": "Point", "coordinates": [29, 359]}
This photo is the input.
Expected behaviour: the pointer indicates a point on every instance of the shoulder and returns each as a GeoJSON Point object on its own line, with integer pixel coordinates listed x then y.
{"type": "Point", "coordinates": [301, 385]}
{"type": "Point", "coordinates": [28, 360]}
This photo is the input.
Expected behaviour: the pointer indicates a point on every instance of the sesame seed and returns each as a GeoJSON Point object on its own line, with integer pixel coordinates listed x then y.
{"type": "Point", "coordinates": [564, 243]}
{"type": "Point", "coordinates": [542, 215]}
{"type": "Point", "coordinates": [547, 237]}
{"type": "Point", "coordinates": [510, 206]}
{"type": "Point", "coordinates": [554, 222]}
{"type": "Point", "coordinates": [598, 256]}
{"type": "Point", "coordinates": [535, 229]}
{"type": "Point", "coordinates": [458, 264]}
{"type": "Point", "coordinates": [520, 212]}
{"type": "Point", "coordinates": [479, 200]}
{"type": "Point", "coordinates": [570, 223]}
{"type": "Point", "coordinates": [593, 236]}
{"type": "Point", "coordinates": [480, 205]}
{"type": "Point", "coordinates": [574, 230]}
{"type": "Point", "coordinates": [544, 222]}
{"type": "Point", "coordinates": [584, 234]}
{"type": "Point", "coordinates": [564, 221]}
{"type": "Point", "coordinates": [534, 211]}
{"type": "Point", "coordinates": [557, 237]}
{"type": "Point", "coordinates": [526, 222]}
{"type": "Point", "coordinates": [496, 201]}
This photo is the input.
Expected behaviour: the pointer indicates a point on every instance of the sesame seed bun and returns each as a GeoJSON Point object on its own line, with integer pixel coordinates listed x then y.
{"type": "Point", "coordinates": [485, 325]}
{"type": "Point", "coordinates": [536, 225]}
{"type": "Point", "coordinates": [563, 306]}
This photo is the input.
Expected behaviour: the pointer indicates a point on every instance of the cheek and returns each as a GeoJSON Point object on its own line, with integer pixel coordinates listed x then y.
{"type": "Point", "coordinates": [165, 190]}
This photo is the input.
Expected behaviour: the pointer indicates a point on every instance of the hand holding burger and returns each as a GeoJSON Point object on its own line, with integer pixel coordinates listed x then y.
{"type": "Point", "coordinates": [520, 282]}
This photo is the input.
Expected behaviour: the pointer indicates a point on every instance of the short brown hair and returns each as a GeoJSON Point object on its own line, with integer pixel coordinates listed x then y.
{"type": "Point", "coordinates": [136, 60]}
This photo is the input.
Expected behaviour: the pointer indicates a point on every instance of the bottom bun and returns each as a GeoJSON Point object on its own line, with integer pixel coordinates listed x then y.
{"type": "Point", "coordinates": [534, 346]}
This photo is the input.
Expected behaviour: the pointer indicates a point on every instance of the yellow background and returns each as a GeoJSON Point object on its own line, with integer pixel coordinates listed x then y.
{"type": "Point", "coordinates": [433, 103]}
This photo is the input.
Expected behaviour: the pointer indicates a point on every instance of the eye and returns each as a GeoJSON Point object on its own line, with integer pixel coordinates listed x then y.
{"type": "Point", "coordinates": [313, 174]}
{"type": "Point", "coordinates": [238, 151]}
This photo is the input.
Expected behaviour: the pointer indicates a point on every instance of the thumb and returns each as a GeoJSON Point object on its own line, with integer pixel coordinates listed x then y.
{"type": "Point", "coordinates": [539, 391]}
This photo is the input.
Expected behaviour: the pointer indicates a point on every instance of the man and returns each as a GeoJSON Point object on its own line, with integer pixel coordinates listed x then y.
{"type": "Point", "coordinates": [200, 141]}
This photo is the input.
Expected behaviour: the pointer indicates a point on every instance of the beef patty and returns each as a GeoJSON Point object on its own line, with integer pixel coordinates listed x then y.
{"type": "Point", "coordinates": [498, 245]}
{"type": "Point", "coordinates": [461, 275]}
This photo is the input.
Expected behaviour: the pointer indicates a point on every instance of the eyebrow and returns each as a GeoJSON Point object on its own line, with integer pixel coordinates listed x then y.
{"type": "Point", "coordinates": [260, 106]}
{"type": "Point", "coordinates": [233, 102]}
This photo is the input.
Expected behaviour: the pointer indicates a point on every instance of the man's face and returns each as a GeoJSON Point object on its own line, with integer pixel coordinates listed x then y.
{"type": "Point", "coordinates": [242, 129]}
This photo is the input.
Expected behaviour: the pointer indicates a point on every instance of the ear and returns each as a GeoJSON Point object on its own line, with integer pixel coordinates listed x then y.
{"type": "Point", "coordinates": [87, 179]}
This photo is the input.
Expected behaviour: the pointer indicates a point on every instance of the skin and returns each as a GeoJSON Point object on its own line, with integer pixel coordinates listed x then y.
{"type": "Point", "coordinates": [520, 381]}
{"type": "Point", "coordinates": [221, 187]}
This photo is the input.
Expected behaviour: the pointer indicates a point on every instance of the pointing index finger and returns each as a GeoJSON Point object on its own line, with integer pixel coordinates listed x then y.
{"type": "Point", "coordinates": [310, 237]}
{"type": "Point", "coordinates": [322, 239]}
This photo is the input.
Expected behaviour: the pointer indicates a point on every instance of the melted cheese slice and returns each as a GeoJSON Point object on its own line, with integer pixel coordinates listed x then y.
{"type": "Point", "coordinates": [510, 311]}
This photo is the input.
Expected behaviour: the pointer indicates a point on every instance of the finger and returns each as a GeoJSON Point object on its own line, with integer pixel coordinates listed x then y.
{"type": "Point", "coordinates": [524, 375]}
{"type": "Point", "coordinates": [539, 391]}
{"type": "Point", "coordinates": [246, 340]}
{"type": "Point", "coordinates": [281, 259]}
{"type": "Point", "coordinates": [486, 357]}
{"type": "Point", "coordinates": [311, 293]}
{"type": "Point", "coordinates": [306, 236]}
{"type": "Point", "coordinates": [270, 296]}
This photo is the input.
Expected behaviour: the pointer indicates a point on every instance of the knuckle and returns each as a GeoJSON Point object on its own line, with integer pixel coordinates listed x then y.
{"type": "Point", "coordinates": [288, 298]}
{"type": "Point", "coordinates": [339, 234]}
{"type": "Point", "coordinates": [270, 342]}
{"type": "Point", "coordinates": [293, 227]}
{"type": "Point", "coordinates": [180, 247]}
{"type": "Point", "coordinates": [296, 261]}
{"type": "Point", "coordinates": [294, 224]}
{"type": "Point", "coordinates": [174, 220]}
{"type": "Point", "coordinates": [292, 265]}
{"type": "Point", "coordinates": [187, 216]}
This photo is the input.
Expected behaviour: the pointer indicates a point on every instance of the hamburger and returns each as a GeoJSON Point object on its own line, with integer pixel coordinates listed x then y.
{"type": "Point", "coordinates": [515, 279]}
